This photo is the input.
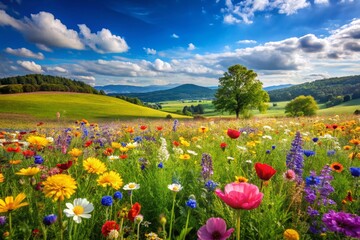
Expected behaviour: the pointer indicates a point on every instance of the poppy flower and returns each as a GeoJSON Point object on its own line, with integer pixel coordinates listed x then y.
{"type": "Point", "coordinates": [88, 143]}
{"type": "Point", "coordinates": [108, 227]}
{"type": "Point", "coordinates": [264, 171]}
{"type": "Point", "coordinates": [159, 128]}
{"type": "Point", "coordinates": [176, 144]}
{"type": "Point", "coordinates": [123, 156]}
{"type": "Point", "coordinates": [28, 153]}
{"type": "Point", "coordinates": [223, 145]}
{"type": "Point", "coordinates": [337, 167]}
{"type": "Point", "coordinates": [143, 127]}
{"type": "Point", "coordinates": [215, 228]}
{"type": "Point", "coordinates": [134, 211]}
{"type": "Point", "coordinates": [234, 134]}
{"type": "Point", "coordinates": [64, 166]}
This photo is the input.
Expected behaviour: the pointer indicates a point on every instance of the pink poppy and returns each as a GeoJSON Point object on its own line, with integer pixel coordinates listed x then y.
{"type": "Point", "coordinates": [214, 229]}
{"type": "Point", "coordinates": [241, 195]}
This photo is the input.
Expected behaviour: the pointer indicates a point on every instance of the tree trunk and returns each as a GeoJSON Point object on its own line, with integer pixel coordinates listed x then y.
{"type": "Point", "coordinates": [237, 114]}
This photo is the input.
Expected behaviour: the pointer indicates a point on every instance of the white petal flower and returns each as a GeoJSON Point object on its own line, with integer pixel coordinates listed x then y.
{"type": "Point", "coordinates": [80, 208]}
{"type": "Point", "coordinates": [131, 186]}
{"type": "Point", "coordinates": [175, 187]}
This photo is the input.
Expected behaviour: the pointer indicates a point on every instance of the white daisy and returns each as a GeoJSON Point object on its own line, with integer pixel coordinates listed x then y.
{"type": "Point", "coordinates": [131, 186]}
{"type": "Point", "coordinates": [79, 209]}
{"type": "Point", "coordinates": [175, 187]}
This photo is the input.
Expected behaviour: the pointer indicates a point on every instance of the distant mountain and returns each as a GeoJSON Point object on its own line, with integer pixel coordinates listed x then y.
{"type": "Point", "coordinates": [270, 88]}
{"type": "Point", "coordinates": [322, 90]}
{"type": "Point", "coordinates": [182, 92]}
{"type": "Point", "coordinates": [133, 89]}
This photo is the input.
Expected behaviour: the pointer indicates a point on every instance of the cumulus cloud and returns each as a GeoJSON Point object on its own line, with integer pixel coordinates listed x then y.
{"type": "Point", "coordinates": [310, 43]}
{"type": "Point", "coordinates": [230, 19]}
{"type": "Point", "coordinates": [56, 69]}
{"type": "Point", "coordinates": [246, 41]}
{"type": "Point", "coordinates": [174, 35]}
{"type": "Point", "coordinates": [30, 66]}
{"type": "Point", "coordinates": [103, 41]}
{"type": "Point", "coordinates": [24, 52]}
{"type": "Point", "coordinates": [160, 65]}
{"type": "Point", "coordinates": [43, 28]}
{"type": "Point", "coordinates": [324, 2]}
{"type": "Point", "coordinates": [191, 47]}
{"type": "Point", "coordinates": [150, 51]}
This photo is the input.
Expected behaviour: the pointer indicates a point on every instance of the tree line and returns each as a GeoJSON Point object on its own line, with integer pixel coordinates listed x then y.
{"type": "Point", "coordinates": [39, 82]}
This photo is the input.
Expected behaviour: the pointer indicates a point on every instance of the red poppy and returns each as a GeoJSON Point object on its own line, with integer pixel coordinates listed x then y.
{"type": "Point", "coordinates": [36, 232]}
{"type": "Point", "coordinates": [159, 128]}
{"type": "Point", "coordinates": [88, 143]}
{"type": "Point", "coordinates": [65, 166]}
{"type": "Point", "coordinates": [108, 226]}
{"type": "Point", "coordinates": [349, 197]}
{"type": "Point", "coordinates": [134, 211]}
{"type": "Point", "coordinates": [123, 156]}
{"type": "Point", "coordinates": [28, 153]}
{"type": "Point", "coordinates": [108, 151]}
{"type": "Point", "coordinates": [16, 149]}
{"type": "Point", "coordinates": [223, 146]}
{"type": "Point", "coordinates": [234, 134]}
{"type": "Point", "coordinates": [176, 144]}
{"type": "Point", "coordinates": [143, 127]}
{"type": "Point", "coordinates": [264, 171]}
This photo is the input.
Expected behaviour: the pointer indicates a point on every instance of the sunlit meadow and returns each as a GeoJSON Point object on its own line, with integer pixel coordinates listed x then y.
{"type": "Point", "coordinates": [182, 179]}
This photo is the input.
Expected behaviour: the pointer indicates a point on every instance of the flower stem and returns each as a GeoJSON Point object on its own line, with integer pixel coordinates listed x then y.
{"type": "Point", "coordinates": [60, 220]}
{"type": "Point", "coordinates": [138, 231]}
{"type": "Point", "coordinates": [121, 229]}
{"type": "Point", "coordinates": [238, 225]}
{"type": "Point", "coordinates": [187, 223]}
{"type": "Point", "coordinates": [172, 216]}
{"type": "Point", "coordinates": [10, 224]}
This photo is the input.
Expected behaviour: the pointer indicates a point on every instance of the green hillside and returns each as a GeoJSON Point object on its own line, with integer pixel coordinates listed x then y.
{"type": "Point", "coordinates": [73, 106]}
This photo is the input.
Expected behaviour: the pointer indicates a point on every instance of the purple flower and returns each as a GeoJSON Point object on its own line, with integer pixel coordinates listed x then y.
{"type": "Point", "coordinates": [2, 220]}
{"type": "Point", "coordinates": [210, 185]}
{"type": "Point", "coordinates": [214, 229]}
{"type": "Point", "coordinates": [207, 168]}
{"type": "Point", "coordinates": [38, 159]}
{"type": "Point", "coordinates": [295, 159]}
{"type": "Point", "coordinates": [331, 152]}
{"type": "Point", "coordinates": [341, 222]}
{"type": "Point", "coordinates": [49, 219]}
{"type": "Point", "coordinates": [176, 123]}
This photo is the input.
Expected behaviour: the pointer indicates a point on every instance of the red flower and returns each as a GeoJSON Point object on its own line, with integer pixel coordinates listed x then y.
{"type": "Point", "coordinates": [108, 151]}
{"type": "Point", "coordinates": [234, 134]}
{"type": "Point", "coordinates": [16, 149]}
{"type": "Point", "coordinates": [28, 153]}
{"type": "Point", "coordinates": [223, 146]}
{"type": "Point", "coordinates": [134, 211]}
{"type": "Point", "coordinates": [39, 124]}
{"type": "Point", "coordinates": [159, 128]}
{"type": "Point", "coordinates": [176, 144]}
{"type": "Point", "coordinates": [264, 171]}
{"type": "Point", "coordinates": [88, 143]}
{"type": "Point", "coordinates": [142, 127]}
{"type": "Point", "coordinates": [123, 156]}
{"type": "Point", "coordinates": [108, 226]}
{"type": "Point", "coordinates": [64, 166]}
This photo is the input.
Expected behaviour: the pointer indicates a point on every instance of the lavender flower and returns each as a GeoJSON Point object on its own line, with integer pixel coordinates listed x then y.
{"type": "Point", "coordinates": [176, 123]}
{"type": "Point", "coordinates": [2, 220]}
{"type": "Point", "coordinates": [344, 223]}
{"type": "Point", "coordinates": [295, 159]}
{"type": "Point", "coordinates": [207, 168]}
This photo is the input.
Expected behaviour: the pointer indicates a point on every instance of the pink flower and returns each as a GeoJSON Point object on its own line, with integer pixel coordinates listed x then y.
{"type": "Point", "coordinates": [289, 175]}
{"type": "Point", "coordinates": [214, 229]}
{"type": "Point", "coordinates": [241, 195]}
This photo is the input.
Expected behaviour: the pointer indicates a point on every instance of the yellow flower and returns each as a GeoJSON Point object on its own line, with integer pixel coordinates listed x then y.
{"type": "Point", "coordinates": [75, 152]}
{"type": "Point", "coordinates": [240, 179]}
{"type": "Point", "coordinates": [30, 171]}
{"type": "Point", "coordinates": [355, 141]}
{"type": "Point", "coordinates": [10, 204]}
{"type": "Point", "coordinates": [203, 129]}
{"type": "Point", "coordinates": [38, 141]}
{"type": "Point", "coordinates": [112, 179]}
{"type": "Point", "coordinates": [2, 178]}
{"type": "Point", "coordinates": [123, 149]}
{"type": "Point", "coordinates": [291, 234]}
{"type": "Point", "coordinates": [115, 145]}
{"type": "Point", "coordinates": [185, 156]}
{"type": "Point", "coordinates": [94, 165]}
{"type": "Point", "coordinates": [14, 162]}
{"type": "Point", "coordinates": [59, 186]}
{"type": "Point", "coordinates": [131, 145]}
{"type": "Point", "coordinates": [251, 144]}
{"type": "Point", "coordinates": [185, 143]}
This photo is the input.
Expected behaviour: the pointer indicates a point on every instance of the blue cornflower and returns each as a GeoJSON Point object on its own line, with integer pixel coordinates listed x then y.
{"type": "Point", "coordinates": [49, 219]}
{"type": "Point", "coordinates": [123, 144]}
{"type": "Point", "coordinates": [107, 201]}
{"type": "Point", "coordinates": [331, 152]}
{"type": "Point", "coordinates": [315, 139]}
{"type": "Point", "coordinates": [210, 185]}
{"type": "Point", "coordinates": [38, 159]}
{"type": "Point", "coordinates": [311, 180]}
{"type": "Point", "coordinates": [309, 153]}
{"type": "Point", "coordinates": [191, 203]}
{"type": "Point", "coordinates": [138, 139]}
{"type": "Point", "coordinates": [355, 171]}
{"type": "Point", "coordinates": [273, 147]}
{"type": "Point", "coordinates": [160, 165]}
{"type": "Point", "coordinates": [267, 151]}
{"type": "Point", "coordinates": [118, 195]}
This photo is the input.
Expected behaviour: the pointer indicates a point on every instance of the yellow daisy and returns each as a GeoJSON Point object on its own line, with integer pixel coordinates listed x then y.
{"type": "Point", "coordinates": [14, 162]}
{"type": "Point", "coordinates": [59, 186]}
{"type": "Point", "coordinates": [291, 234]}
{"type": "Point", "coordinates": [240, 179]}
{"type": "Point", "coordinates": [30, 171]}
{"type": "Point", "coordinates": [75, 152]}
{"type": "Point", "coordinates": [2, 178]}
{"type": "Point", "coordinates": [9, 204]}
{"type": "Point", "coordinates": [112, 179]}
{"type": "Point", "coordinates": [38, 141]}
{"type": "Point", "coordinates": [94, 165]}
{"type": "Point", "coordinates": [185, 156]}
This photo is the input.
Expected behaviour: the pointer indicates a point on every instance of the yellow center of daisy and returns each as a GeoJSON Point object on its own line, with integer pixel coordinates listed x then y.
{"type": "Point", "coordinates": [78, 210]}
{"type": "Point", "coordinates": [175, 188]}
{"type": "Point", "coordinates": [132, 185]}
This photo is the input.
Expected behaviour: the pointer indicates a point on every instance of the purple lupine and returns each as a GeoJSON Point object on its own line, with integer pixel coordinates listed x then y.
{"type": "Point", "coordinates": [344, 223]}
{"type": "Point", "coordinates": [295, 158]}
{"type": "Point", "coordinates": [176, 123]}
{"type": "Point", "coordinates": [207, 167]}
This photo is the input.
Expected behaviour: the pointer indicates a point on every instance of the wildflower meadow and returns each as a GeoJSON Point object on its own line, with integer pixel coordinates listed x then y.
{"type": "Point", "coordinates": [270, 178]}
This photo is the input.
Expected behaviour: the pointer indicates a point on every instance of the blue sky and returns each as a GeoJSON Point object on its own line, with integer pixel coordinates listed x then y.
{"type": "Point", "coordinates": [138, 42]}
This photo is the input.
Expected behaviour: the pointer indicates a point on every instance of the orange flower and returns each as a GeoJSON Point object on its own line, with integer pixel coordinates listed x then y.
{"type": "Point", "coordinates": [337, 167]}
{"type": "Point", "coordinates": [240, 179]}
{"type": "Point", "coordinates": [355, 141]}
{"type": "Point", "coordinates": [14, 162]}
{"type": "Point", "coordinates": [347, 147]}
{"type": "Point", "coordinates": [130, 130]}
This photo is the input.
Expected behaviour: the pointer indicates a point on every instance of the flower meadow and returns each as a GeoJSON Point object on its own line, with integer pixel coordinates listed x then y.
{"type": "Point", "coordinates": [190, 179]}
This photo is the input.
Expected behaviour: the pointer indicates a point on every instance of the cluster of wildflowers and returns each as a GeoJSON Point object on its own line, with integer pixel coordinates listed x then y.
{"type": "Point", "coordinates": [207, 166]}
{"type": "Point", "coordinates": [295, 159]}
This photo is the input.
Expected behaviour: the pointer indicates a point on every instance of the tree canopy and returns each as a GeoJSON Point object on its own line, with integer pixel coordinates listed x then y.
{"type": "Point", "coordinates": [239, 91]}
{"type": "Point", "coordinates": [301, 106]}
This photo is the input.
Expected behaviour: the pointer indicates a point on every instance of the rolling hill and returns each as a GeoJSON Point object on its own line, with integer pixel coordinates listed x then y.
{"type": "Point", "coordinates": [109, 89]}
{"type": "Point", "coordinates": [73, 106]}
{"type": "Point", "coordinates": [182, 92]}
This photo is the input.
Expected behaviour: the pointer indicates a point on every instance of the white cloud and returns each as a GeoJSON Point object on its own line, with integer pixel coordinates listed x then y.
{"type": "Point", "coordinates": [43, 47]}
{"type": "Point", "coordinates": [30, 66]}
{"type": "Point", "coordinates": [191, 47]}
{"type": "Point", "coordinates": [246, 42]}
{"type": "Point", "coordinates": [24, 52]}
{"type": "Point", "coordinates": [56, 69]}
{"type": "Point", "coordinates": [174, 35]}
{"type": "Point", "coordinates": [230, 19]}
{"type": "Point", "coordinates": [325, 2]}
{"type": "Point", "coordinates": [160, 65]}
{"type": "Point", "coordinates": [43, 28]}
{"type": "Point", "coordinates": [290, 7]}
{"type": "Point", "coordinates": [103, 41]}
{"type": "Point", "coordinates": [150, 51]}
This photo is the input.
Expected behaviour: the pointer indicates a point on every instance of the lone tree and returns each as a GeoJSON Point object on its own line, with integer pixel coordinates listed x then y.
{"type": "Point", "coordinates": [239, 91]}
{"type": "Point", "coordinates": [301, 106]}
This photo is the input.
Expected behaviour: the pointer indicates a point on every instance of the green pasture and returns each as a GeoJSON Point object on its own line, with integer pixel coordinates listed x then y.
{"type": "Point", "coordinates": [73, 106]}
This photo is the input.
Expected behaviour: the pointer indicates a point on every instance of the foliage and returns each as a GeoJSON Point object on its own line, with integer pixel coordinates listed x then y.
{"type": "Point", "coordinates": [321, 90]}
{"type": "Point", "coordinates": [239, 91]}
{"type": "Point", "coordinates": [198, 109]}
{"type": "Point", "coordinates": [301, 106]}
{"type": "Point", "coordinates": [39, 82]}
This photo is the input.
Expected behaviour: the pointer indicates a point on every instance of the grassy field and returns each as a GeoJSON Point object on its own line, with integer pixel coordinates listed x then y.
{"type": "Point", "coordinates": [71, 106]}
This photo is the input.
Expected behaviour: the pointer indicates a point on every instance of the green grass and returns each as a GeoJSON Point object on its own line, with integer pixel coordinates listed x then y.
{"type": "Point", "coordinates": [73, 106]}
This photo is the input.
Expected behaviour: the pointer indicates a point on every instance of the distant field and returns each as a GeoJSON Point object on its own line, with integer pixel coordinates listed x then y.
{"type": "Point", "coordinates": [71, 106]}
